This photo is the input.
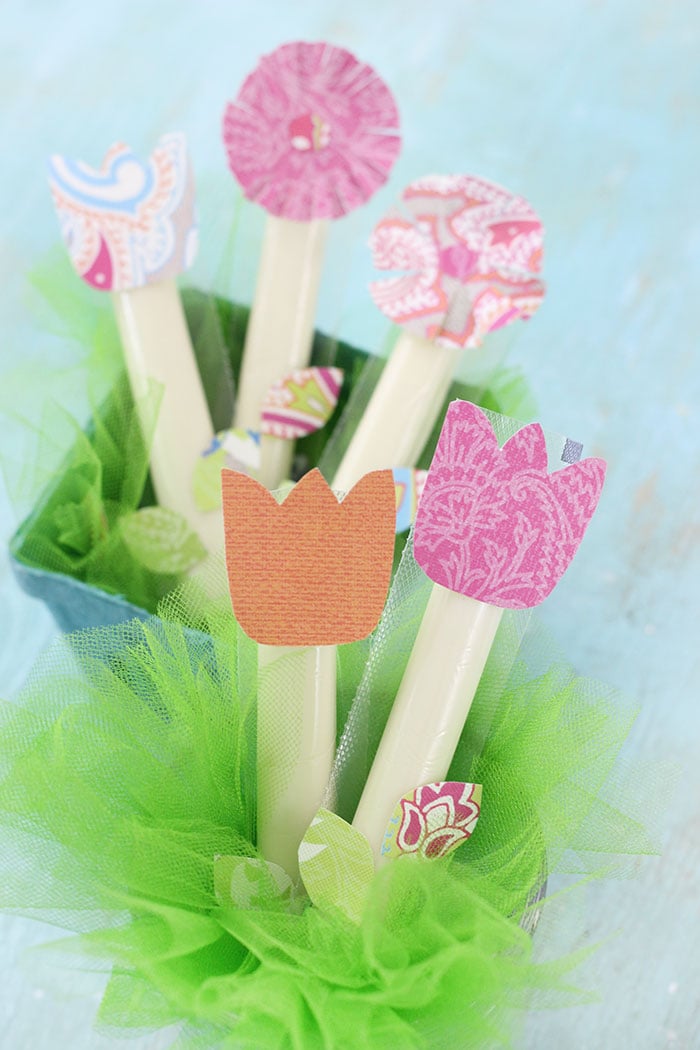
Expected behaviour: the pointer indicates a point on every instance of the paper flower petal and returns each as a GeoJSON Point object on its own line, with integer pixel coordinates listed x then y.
{"type": "Point", "coordinates": [309, 571]}
{"type": "Point", "coordinates": [301, 402]}
{"type": "Point", "coordinates": [130, 222]}
{"type": "Point", "coordinates": [472, 250]}
{"type": "Point", "coordinates": [336, 864]}
{"type": "Point", "coordinates": [492, 523]}
{"type": "Point", "coordinates": [433, 820]}
{"type": "Point", "coordinates": [313, 132]}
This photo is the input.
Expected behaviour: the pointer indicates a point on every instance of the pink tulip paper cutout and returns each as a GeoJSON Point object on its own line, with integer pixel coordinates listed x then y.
{"type": "Point", "coordinates": [313, 132]}
{"type": "Point", "coordinates": [472, 251]}
{"type": "Point", "coordinates": [492, 523]}
{"type": "Point", "coordinates": [129, 222]}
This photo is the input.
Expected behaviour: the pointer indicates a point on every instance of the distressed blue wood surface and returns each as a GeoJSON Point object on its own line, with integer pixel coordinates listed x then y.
{"type": "Point", "coordinates": [592, 111]}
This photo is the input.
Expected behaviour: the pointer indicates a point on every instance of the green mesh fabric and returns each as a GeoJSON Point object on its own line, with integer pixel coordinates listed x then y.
{"type": "Point", "coordinates": [128, 765]}
{"type": "Point", "coordinates": [83, 499]}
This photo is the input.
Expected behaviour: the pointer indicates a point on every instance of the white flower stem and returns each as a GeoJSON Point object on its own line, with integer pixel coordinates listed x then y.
{"type": "Point", "coordinates": [402, 409]}
{"type": "Point", "coordinates": [281, 327]}
{"type": "Point", "coordinates": [431, 706]}
{"type": "Point", "coordinates": [296, 745]}
{"type": "Point", "coordinates": [157, 347]}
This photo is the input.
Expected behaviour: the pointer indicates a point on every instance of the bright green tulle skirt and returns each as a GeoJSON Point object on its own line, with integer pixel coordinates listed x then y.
{"type": "Point", "coordinates": [129, 765]}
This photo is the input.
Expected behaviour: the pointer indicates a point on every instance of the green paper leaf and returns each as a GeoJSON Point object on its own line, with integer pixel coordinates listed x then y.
{"type": "Point", "coordinates": [206, 480]}
{"type": "Point", "coordinates": [251, 883]}
{"type": "Point", "coordinates": [161, 540]}
{"type": "Point", "coordinates": [336, 864]}
{"type": "Point", "coordinates": [81, 525]}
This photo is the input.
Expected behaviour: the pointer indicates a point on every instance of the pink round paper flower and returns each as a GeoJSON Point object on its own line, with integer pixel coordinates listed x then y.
{"type": "Point", "coordinates": [492, 523]}
{"type": "Point", "coordinates": [472, 250]}
{"type": "Point", "coordinates": [437, 818]}
{"type": "Point", "coordinates": [313, 132]}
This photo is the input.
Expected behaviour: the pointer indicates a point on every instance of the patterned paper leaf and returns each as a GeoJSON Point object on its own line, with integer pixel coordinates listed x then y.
{"type": "Point", "coordinates": [301, 403]}
{"type": "Point", "coordinates": [433, 820]}
{"type": "Point", "coordinates": [250, 883]}
{"type": "Point", "coordinates": [336, 864]}
{"type": "Point", "coordinates": [161, 540]}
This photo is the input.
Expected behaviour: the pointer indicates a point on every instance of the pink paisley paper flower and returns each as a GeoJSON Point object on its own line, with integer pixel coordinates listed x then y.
{"type": "Point", "coordinates": [313, 132]}
{"type": "Point", "coordinates": [492, 523]}
{"type": "Point", "coordinates": [436, 818]}
{"type": "Point", "coordinates": [130, 222]}
{"type": "Point", "coordinates": [472, 251]}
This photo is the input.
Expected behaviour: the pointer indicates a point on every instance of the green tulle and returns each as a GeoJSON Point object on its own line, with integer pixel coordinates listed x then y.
{"type": "Point", "coordinates": [128, 765]}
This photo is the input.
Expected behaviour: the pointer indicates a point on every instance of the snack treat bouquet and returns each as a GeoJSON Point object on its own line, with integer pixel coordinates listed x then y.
{"type": "Point", "coordinates": [161, 793]}
{"type": "Point", "coordinates": [197, 382]}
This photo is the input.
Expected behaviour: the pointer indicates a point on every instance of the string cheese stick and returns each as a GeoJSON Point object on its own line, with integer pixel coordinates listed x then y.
{"type": "Point", "coordinates": [402, 410]}
{"type": "Point", "coordinates": [156, 344]}
{"type": "Point", "coordinates": [296, 733]}
{"type": "Point", "coordinates": [431, 706]}
{"type": "Point", "coordinates": [312, 133]}
{"type": "Point", "coordinates": [130, 229]}
{"type": "Point", "coordinates": [494, 530]}
{"type": "Point", "coordinates": [281, 328]}
{"type": "Point", "coordinates": [304, 577]}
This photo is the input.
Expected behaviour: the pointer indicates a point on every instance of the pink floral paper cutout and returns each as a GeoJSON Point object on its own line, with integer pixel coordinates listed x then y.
{"type": "Point", "coordinates": [127, 223]}
{"type": "Point", "coordinates": [472, 251]}
{"type": "Point", "coordinates": [433, 820]}
{"type": "Point", "coordinates": [492, 524]}
{"type": "Point", "coordinates": [313, 132]}
{"type": "Point", "coordinates": [301, 403]}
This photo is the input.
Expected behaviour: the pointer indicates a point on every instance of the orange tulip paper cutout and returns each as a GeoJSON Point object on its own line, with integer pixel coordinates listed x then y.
{"type": "Point", "coordinates": [309, 571]}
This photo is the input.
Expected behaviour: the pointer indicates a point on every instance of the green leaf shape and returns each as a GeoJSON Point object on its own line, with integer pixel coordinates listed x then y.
{"type": "Point", "coordinates": [161, 540]}
{"type": "Point", "coordinates": [82, 524]}
{"type": "Point", "coordinates": [206, 480]}
{"type": "Point", "coordinates": [336, 864]}
{"type": "Point", "coordinates": [251, 883]}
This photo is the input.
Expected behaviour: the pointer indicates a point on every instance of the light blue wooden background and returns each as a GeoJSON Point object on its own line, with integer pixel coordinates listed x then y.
{"type": "Point", "coordinates": [590, 109]}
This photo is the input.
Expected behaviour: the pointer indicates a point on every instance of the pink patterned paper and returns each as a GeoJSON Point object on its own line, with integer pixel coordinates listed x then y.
{"type": "Point", "coordinates": [127, 223]}
{"type": "Point", "coordinates": [301, 402]}
{"type": "Point", "coordinates": [433, 820]}
{"type": "Point", "coordinates": [492, 523]}
{"type": "Point", "coordinates": [313, 132]}
{"type": "Point", "coordinates": [472, 251]}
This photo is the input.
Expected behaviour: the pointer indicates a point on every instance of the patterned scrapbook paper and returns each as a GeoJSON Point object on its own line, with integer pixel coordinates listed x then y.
{"type": "Point", "coordinates": [470, 252]}
{"type": "Point", "coordinates": [309, 571]}
{"type": "Point", "coordinates": [313, 132]}
{"type": "Point", "coordinates": [492, 523]}
{"type": "Point", "coordinates": [129, 222]}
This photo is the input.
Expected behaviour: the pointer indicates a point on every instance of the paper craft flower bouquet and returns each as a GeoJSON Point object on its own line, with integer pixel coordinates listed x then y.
{"type": "Point", "coordinates": [311, 135]}
{"type": "Point", "coordinates": [315, 803]}
{"type": "Point", "coordinates": [300, 843]}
